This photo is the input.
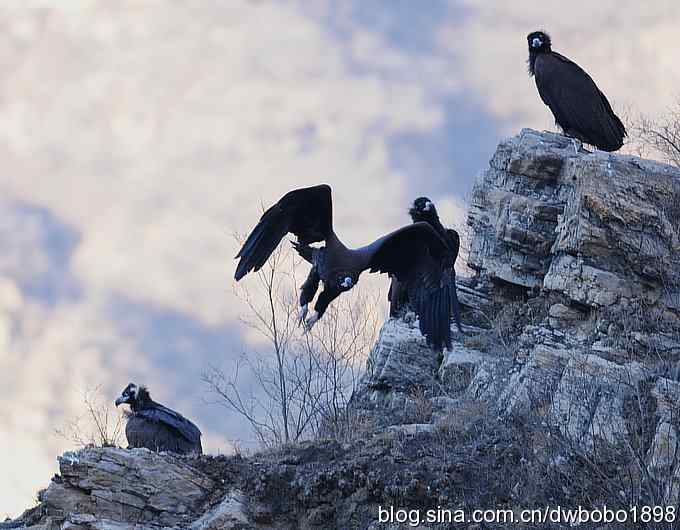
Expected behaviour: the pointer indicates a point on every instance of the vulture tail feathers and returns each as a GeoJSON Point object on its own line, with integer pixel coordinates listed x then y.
{"type": "Point", "coordinates": [455, 308]}
{"type": "Point", "coordinates": [434, 318]}
{"type": "Point", "coordinates": [615, 129]}
{"type": "Point", "coordinates": [453, 299]}
{"type": "Point", "coordinates": [445, 309]}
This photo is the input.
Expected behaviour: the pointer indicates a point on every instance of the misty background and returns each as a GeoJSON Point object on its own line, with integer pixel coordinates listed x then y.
{"type": "Point", "coordinates": [137, 137]}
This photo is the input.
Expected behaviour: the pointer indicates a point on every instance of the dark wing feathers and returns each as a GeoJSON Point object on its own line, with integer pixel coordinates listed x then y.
{"type": "Point", "coordinates": [453, 239]}
{"type": "Point", "coordinates": [415, 255]}
{"type": "Point", "coordinates": [307, 213]}
{"type": "Point", "coordinates": [435, 307]}
{"type": "Point", "coordinates": [397, 252]}
{"type": "Point", "coordinates": [578, 105]}
{"type": "Point", "coordinates": [160, 414]}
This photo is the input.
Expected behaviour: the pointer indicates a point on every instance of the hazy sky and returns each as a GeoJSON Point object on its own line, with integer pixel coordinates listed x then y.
{"type": "Point", "coordinates": [136, 137]}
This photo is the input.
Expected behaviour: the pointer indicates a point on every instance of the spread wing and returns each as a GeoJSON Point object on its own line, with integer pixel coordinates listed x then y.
{"type": "Point", "coordinates": [579, 107]}
{"type": "Point", "coordinates": [307, 213]}
{"type": "Point", "coordinates": [415, 255]}
{"type": "Point", "coordinates": [160, 414]}
{"type": "Point", "coordinates": [399, 252]}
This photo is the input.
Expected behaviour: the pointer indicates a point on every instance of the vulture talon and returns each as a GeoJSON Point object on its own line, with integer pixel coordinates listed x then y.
{"type": "Point", "coordinates": [302, 314]}
{"type": "Point", "coordinates": [309, 322]}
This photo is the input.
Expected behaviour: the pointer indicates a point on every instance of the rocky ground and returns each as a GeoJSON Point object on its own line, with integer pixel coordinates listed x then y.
{"type": "Point", "coordinates": [563, 391]}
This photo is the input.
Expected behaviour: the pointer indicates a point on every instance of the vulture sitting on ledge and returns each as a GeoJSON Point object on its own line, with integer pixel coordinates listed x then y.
{"type": "Point", "coordinates": [424, 210]}
{"type": "Point", "coordinates": [580, 108]}
{"type": "Point", "coordinates": [151, 425]}
{"type": "Point", "coordinates": [414, 254]}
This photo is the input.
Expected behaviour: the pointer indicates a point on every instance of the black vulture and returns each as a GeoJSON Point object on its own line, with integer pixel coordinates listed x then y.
{"type": "Point", "coordinates": [424, 210]}
{"type": "Point", "coordinates": [581, 110]}
{"type": "Point", "coordinates": [156, 427]}
{"type": "Point", "coordinates": [414, 254]}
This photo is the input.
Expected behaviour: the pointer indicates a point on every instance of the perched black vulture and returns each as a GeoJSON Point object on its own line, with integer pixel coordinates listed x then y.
{"type": "Point", "coordinates": [580, 109]}
{"type": "Point", "coordinates": [151, 425]}
{"type": "Point", "coordinates": [424, 210]}
{"type": "Point", "coordinates": [414, 254]}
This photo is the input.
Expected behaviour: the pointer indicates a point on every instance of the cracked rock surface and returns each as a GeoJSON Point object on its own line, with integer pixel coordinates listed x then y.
{"type": "Point", "coordinates": [572, 335]}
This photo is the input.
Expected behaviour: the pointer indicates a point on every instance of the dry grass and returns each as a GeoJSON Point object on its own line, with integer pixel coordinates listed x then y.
{"type": "Point", "coordinates": [505, 323]}
{"type": "Point", "coordinates": [422, 406]}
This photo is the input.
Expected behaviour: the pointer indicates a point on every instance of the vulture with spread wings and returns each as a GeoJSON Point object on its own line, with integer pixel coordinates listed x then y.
{"type": "Point", "coordinates": [578, 105]}
{"type": "Point", "coordinates": [414, 254]}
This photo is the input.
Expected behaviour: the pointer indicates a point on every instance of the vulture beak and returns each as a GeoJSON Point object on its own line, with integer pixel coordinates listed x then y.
{"type": "Point", "coordinates": [428, 206]}
{"type": "Point", "coordinates": [120, 399]}
{"type": "Point", "coordinates": [347, 283]}
{"type": "Point", "coordinates": [536, 43]}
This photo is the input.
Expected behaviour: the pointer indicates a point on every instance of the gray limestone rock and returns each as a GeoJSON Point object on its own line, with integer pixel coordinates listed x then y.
{"type": "Point", "coordinates": [591, 238]}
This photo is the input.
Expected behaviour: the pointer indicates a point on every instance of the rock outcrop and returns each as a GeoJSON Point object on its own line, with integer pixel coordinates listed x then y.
{"type": "Point", "coordinates": [316, 485]}
{"type": "Point", "coordinates": [578, 254]}
{"type": "Point", "coordinates": [570, 358]}
{"type": "Point", "coordinates": [104, 488]}
{"type": "Point", "coordinates": [600, 228]}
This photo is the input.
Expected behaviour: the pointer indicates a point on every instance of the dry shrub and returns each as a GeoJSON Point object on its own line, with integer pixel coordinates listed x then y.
{"type": "Point", "coordinates": [658, 137]}
{"type": "Point", "coordinates": [643, 333]}
{"type": "Point", "coordinates": [467, 413]}
{"type": "Point", "coordinates": [505, 323]}
{"type": "Point", "coordinates": [101, 424]}
{"type": "Point", "coordinates": [298, 387]}
{"type": "Point", "coordinates": [421, 405]}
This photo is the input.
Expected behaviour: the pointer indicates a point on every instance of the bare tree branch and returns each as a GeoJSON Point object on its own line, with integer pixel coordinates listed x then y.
{"type": "Point", "coordinates": [300, 387]}
{"type": "Point", "coordinates": [658, 137]}
{"type": "Point", "coordinates": [99, 425]}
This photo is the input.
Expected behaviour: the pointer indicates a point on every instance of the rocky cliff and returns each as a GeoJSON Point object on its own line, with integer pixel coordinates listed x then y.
{"type": "Point", "coordinates": [577, 258]}
{"type": "Point", "coordinates": [563, 390]}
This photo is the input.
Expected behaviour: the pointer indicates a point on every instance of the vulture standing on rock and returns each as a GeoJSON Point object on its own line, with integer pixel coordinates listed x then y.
{"type": "Point", "coordinates": [414, 254]}
{"type": "Point", "coordinates": [580, 109]}
{"type": "Point", "coordinates": [424, 210]}
{"type": "Point", "coordinates": [151, 425]}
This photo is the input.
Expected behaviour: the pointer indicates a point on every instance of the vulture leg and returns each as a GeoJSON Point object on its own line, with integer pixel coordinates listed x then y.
{"type": "Point", "coordinates": [307, 292]}
{"type": "Point", "coordinates": [322, 303]}
{"type": "Point", "coordinates": [574, 141]}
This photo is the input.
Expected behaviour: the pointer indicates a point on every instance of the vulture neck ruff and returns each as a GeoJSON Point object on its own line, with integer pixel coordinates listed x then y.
{"type": "Point", "coordinates": [142, 400]}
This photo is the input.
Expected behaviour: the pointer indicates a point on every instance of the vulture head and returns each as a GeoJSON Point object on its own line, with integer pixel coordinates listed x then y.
{"type": "Point", "coordinates": [135, 396]}
{"type": "Point", "coordinates": [539, 42]}
{"type": "Point", "coordinates": [423, 210]}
